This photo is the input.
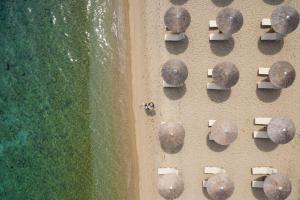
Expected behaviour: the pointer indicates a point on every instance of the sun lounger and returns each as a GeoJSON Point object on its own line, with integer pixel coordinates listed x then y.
{"type": "Point", "coordinates": [166, 85]}
{"type": "Point", "coordinates": [218, 36]}
{"type": "Point", "coordinates": [213, 24]}
{"type": "Point", "coordinates": [263, 71]}
{"type": "Point", "coordinates": [260, 134]}
{"type": "Point", "coordinates": [266, 22]}
{"type": "Point", "coordinates": [271, 36]}
{"type": "Point", "coordinates": [262, 120]}
{"type": "Point", "coordinates": [213, 170]}
{"type": "Point", "coordinates": [263, 170]}
{"type": "Point", "coordinates": [163, 171]}
{"type": "Point", "coordinates": [174, 37]}
{"type": "Point", "coordinates": [211, 122]}
{"type": "Point", "coordinates": [257, 184]}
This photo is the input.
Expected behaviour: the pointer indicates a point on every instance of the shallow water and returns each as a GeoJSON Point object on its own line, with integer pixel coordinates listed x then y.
{"type": "Point", "coordinates": [64, 98]}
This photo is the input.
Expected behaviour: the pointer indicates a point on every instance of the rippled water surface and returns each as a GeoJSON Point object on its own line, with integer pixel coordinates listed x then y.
{"type": "Point", "coordinates": [64, 99]}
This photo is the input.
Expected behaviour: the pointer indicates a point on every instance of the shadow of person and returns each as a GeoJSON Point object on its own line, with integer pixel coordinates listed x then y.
{"type": "Point", "coordinates": [222, 48]}
{"type": "Point", "coordinates": [150, 112]}
{"type": "Point", "coordinates": [267, 95]}
{"type": "Point", "coordinates": [270, 47]}
{"type": "Point", "coordinates": [273, 2]}
{"type": "Point", "coordinates": [222, 3]}
{"type": "Point", "coordinates": [218, 96]}
{"type": "Point", "coordinates": [214, 146]}
{"type": "Point", "coordinates": [178, 2]}
{"type": "Point", "coordinates": [175, 93]}
{"type": "Point", "coordinates": [177, 47]}
{"type": "Point", "coordinates": [258, 193]}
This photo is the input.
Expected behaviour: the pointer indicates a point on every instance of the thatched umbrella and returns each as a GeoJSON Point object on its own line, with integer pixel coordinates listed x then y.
{"type": "Point", "coordinates": [177, 19]}
{"type": "Point", "coordinates": [284, 19]}
{"type": "Point", "coordinates": [171, 137]}
{"type": "Point", "coordinates": [174, 72]}
{"type": "Point", "coordinates": [277, 187]}
{"type": "Point", "coordinates": [224, 132]}
{"type": "Point", "coordinates": [229, 20]}
{"type": "Point", "coordinates": [281, 130]}
{"type": "Point", "coordinates": [282, 74]}
{"type": "Point", "coordinates": [170, 186]}
{"type": "Point", "coordinates": [220, 187]}
{"type": "Point", "coordinates": [225, 74]}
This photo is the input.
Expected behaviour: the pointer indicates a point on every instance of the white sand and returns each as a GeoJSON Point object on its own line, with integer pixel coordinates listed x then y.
{"type": "Point", "coordinates": [196, 106]}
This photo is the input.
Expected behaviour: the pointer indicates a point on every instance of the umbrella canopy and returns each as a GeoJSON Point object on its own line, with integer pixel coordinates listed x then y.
{"type": "Point", "coordinates": [174, 72]}
{"type": "Point", "coordinates": [170, 186]}
{"type": "Point", "coordinates": [220, 187]}
{"type": "Point", "coordinates": [177, 19]}
{"type": "Point", "coordinates": [224, 132]}
{"type": "Point", "coordinates": [277, 187]}
{"type": "Point", "coordinates": [225, 74]}
{"type": "Point", "coordinates": [229, 20]}
{"type": "Point", "coordinates": [281, 130]}
{"type": "Point", "coordinates": [171, 137]}
{"type": "Point", "coordinates": [282, 74]}
{"type": "Point", "coordinates": [284, 19]}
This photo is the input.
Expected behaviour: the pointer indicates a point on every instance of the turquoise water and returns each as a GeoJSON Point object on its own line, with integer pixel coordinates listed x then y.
{"type": "Point", "coordinates": [64, 100]}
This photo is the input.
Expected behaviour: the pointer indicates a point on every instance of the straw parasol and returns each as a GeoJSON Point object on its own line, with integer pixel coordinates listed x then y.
{"type": "Point", "coordinates": [220, 187]}
{"type": "Point", "coordinates": [170, 186]}
{"type": "Point", "coordinates": [224, 132]}
{"type": "Point", "coordinates": [171, 137]}
{"type": "Point", "coordinates": [225, 74]}
{"type": "Point", "coordinates": [282, 74]}
{"type": "Point", "coordinates": [177, 19]}
{"type": "Point", "coordinates": [277, 187]}
{"type": "Point", "coordinates": [284, 19]}
{"type": "Point", "coordinates": [229, 20]}
{"type": "Point", "coordinates": [174, 72]}
{"type": "Point", "coordinates": [281, 130]}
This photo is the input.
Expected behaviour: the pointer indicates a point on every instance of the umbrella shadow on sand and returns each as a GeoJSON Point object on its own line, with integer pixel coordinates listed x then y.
{"type": "Point", "coordinates": [270, 47]}
{"type": "Point", "coordinates": [175, 93]}
{"type": "Point", "coordinates": [222, 3]}
{"type": "Point", "coordinates": [273, 2]}
{"type": "Point", "coordinates": [177, 47]}
{"type": "Point", "coordinates": [258, 193]}
{"type": "Point", "coordinates": [266, 95]}
{"type": "Point", "coordinates": [222, 48]}
{"type": "Point", "coordinates": [214, 146]}
{"type": "Point", "coordinates": [178, 2]}
{"type": "Point", "coordinates": [218, 96]}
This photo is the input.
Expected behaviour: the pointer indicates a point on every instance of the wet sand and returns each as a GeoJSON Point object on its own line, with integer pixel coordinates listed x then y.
{"type": "Point", "coordinates": [193, 105]}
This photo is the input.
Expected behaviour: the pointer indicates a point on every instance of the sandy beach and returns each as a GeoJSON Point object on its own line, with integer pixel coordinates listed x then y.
{"type": "Point", "coordinates": [193, 105]}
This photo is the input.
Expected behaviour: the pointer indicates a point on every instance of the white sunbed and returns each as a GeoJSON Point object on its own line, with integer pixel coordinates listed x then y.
{"type": "Point", "coordinates": [210, 124]}
{"type": "Point", "coordinates": [164, 171]}
{"type": "Point", "coordinates": [265, 84]}
{"type": "Point", "coordinates": [217, 36]}
{"type": "Point", "coordinates": [266, 22]}
{"type": "Point", "coordinates": [213, 86]}
{"type": "Point", "coordinates": [263, 170]}
{"type": "Point", "coordinates": [213, 170]}
{"type": "Point", "coordinates": [174, 37]}
{"type": "Point", "coordinates": [261, 121]}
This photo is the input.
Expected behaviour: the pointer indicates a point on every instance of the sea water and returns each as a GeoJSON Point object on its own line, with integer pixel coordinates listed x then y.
{"type": "Point", "coordinates": [65, 116]}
